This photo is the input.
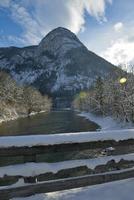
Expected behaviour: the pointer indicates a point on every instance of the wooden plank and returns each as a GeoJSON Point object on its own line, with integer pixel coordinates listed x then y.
{"type": "Point", "coordinates": [52, 186]}
{"type": "Point", "coordinates": [18, 151]}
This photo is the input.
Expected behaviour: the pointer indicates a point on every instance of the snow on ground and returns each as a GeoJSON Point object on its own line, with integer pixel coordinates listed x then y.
{"type": "Point", "coordinates": [33, 169]}
{"type": "Point", "coordinates": [19, 183]}
{"type": "Point", "coordinates": [117, 190]}
{"type": "Point", "coordinates": [51, 139]}
{"type": "Point", "coordinates": [106, 123]}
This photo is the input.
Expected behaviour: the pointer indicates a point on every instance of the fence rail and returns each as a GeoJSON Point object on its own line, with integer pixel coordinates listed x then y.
{"type": "Point", "coordinates": [70, 183]}
{"type": "Point", "coordinates": [12, 155]}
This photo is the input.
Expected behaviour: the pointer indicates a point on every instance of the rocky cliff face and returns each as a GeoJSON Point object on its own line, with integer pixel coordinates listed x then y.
{"type": "Point", "coordinates": [60, 65]}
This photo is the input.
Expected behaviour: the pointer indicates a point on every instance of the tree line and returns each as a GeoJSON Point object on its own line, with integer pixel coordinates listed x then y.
{"type": "Point", "coordinates": [16, 100]}
{"type": "Point", "coordinates": [112, 96]}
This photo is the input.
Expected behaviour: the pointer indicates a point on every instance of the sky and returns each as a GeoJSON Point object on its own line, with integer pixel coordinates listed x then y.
{"type": "Point", "coordinates": [106, 27]}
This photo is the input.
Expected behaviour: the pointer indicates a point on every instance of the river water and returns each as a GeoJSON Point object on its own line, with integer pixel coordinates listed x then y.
{"type": "Point", "coordinates": [48, 123]}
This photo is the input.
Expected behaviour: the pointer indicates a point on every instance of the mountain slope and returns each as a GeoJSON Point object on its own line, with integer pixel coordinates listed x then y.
{"type": "Point", "coordinates": [60, 65]}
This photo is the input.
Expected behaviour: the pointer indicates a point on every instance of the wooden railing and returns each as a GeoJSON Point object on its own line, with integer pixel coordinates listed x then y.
{"type": "Point", "coordinates": [52, 186]}
{"type": "Point", "coordinates": [24, 154]}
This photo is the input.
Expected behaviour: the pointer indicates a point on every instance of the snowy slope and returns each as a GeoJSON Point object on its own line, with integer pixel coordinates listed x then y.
{"type": "Point", "coordinates": [106, 122]}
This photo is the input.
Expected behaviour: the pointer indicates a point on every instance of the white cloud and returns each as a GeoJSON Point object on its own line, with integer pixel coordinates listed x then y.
{"type": "Point", "coordinates": [120, 52]}
{"type": "Point", "coordinates": [118, 26]}
{"type": "Point", "coordinates": [31, 29]}
{"type": "Point", "coordinates": [70, 13]}
{"type": "Point", "coordinates": [96, 8]}
{"type": "Point", "coordinates": [49, 14]}
{"type": "Point", "coordinates": [120, 49]}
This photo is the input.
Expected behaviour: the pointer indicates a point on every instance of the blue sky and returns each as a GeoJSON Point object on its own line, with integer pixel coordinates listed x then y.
{"type": "Point", "coordinates": [104, 26]}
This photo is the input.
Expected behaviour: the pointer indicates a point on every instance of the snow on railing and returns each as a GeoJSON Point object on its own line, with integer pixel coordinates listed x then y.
{"type": "Point", "coordinates": [66, 138]}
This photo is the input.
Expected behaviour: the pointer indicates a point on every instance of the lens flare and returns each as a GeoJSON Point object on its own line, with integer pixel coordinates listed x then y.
{"type": "Point", "coordinates": [123, 80]}
{"type": "Point", "coordinates": [82, 95]}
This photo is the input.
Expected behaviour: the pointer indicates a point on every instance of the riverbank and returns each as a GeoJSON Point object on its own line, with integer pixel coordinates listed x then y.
{"type": "Point", "coordinates": [106, 123]}
{"type": "Point", "coordinates": [14, 116]}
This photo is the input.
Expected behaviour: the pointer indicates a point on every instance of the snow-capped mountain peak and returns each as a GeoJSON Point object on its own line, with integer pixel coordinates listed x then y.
{"type": "Point", "coordinates": [59, 65]}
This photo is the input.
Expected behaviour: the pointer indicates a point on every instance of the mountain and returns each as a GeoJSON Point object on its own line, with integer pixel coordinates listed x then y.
{"type": "Point", "coordinates": [60, 65]}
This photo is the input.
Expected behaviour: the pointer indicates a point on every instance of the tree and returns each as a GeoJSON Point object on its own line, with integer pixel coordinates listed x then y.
{"type": "Point", "coordinates": [17, 101]}
{"type": "Point", "coordinates": [112, 97]}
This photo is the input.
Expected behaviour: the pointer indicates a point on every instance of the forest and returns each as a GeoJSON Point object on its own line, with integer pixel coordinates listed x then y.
{"type": "Point", "coordinates": [113, 96]}
{"type": "Point", "coordinates": [19, 101]}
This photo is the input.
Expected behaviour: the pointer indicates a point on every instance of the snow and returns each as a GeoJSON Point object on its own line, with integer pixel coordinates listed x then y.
{"type": "Point", "coordinates": [14, 116]}
{"type": "Point", "coordinates": [117, 190]}
{"type": "Point", "coordinates": [106, 123]}
{"type": "Point", "coordinates": [27, 76]}
{"type": "Point", "coordinates": [110, 149]}
{"type": "Point", "coordinates": [52, 139]}
{"type": "Point", "coordinates": [19, 183]}
{"type": "Point", "coordinates": [33, 169]}
{"type": "Point", "coordinates": [78, 81]}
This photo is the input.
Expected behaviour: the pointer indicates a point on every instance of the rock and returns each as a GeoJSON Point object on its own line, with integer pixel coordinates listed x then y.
{"type": "Point", "coordinates": [59, 66]}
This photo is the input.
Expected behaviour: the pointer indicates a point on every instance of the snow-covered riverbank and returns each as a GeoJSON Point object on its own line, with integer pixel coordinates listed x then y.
{"type": "Point", "coordinates": [106, 123]}
{"type": "Point", "coordinates": [14, 116]}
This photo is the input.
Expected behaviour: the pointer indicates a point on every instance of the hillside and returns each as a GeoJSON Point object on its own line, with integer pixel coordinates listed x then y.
{"type": "Point", "coordinates": [59, 66]}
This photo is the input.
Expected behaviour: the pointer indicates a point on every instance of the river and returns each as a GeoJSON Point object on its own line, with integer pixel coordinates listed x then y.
{"type": "Point", "coordinates": [48, 123]}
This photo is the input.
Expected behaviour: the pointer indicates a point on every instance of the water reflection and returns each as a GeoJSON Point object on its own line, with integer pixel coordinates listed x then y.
{"type": "Point", "coordinates": [48, 123]}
